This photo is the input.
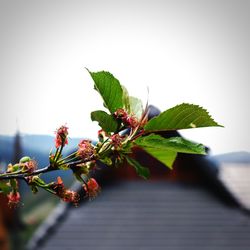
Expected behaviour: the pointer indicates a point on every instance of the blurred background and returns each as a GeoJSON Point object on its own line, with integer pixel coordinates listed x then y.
{"type": "Point", "coordinates": [182, 51]}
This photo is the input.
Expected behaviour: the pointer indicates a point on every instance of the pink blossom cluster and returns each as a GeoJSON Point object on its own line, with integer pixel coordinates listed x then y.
{"type": "Point", "coordinates": [128, 120]}
{"type": "Point", "coordinates": [30, 166]}
{"type": "Point", "coordinates": [116, 140]}
{"type": "Point", "coordinates": [85, 149]}
{"type": "Point", "coordinates": [13, 198]}
{"type": "Point", "coordinates": [65, 194]}
{"type": "Point", "coordinates": [61, 136]}
{"type": "Point", "coordinates": [92, 188]}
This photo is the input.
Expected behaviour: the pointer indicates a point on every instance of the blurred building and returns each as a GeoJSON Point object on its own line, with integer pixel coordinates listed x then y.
{"type": "Point", "coordinates": [186, 208]}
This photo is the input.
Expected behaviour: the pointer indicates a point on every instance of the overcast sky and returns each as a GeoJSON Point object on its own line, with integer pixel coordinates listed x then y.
{"type": "Point", "coordinates": [184, 51]}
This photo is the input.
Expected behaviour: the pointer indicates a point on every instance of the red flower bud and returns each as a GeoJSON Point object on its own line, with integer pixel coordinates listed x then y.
{"type": "Point", "coordinates": [121, 114]}
{"type": "Point", "coordinates": [132, 121]}
{"type": "Point", "coordinates": [30, 166]}
{"type": "Point", "coordinates": [13, 199]}
{"type": "Point", "coordinates": [65, 194]}
{"type": "Point", "coordinates": [92, 188]}
{"type": "Point", "coordinates": [61, 136]}
{"type": "Point", "coordinates": [117, 140]}
{"type": "Point", "coordinates": [101, 135]}
{"type": "Point", "coordinates": [86, 149]}
{"type": "Point", "coordinates": [128, 120]}
{"type": "Point", "coordinates": [59, 181]}
{"type": "Point", "coordinates": [71, 196]}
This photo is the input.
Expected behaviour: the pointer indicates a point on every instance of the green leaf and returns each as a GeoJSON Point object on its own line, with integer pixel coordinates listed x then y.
{"type": "Point", "coordinates": [105, 121]}
{"type": "Point", "coordinates": [177, 144]}
{"type": "Point", "coordinates": [127, 148]}
{"type": "Point", "coordinates": [182, 116]}
{"type": "Point", "coordinates": [136, 106]}
{"type": "Point", "coordinates": [140, 170]}
{"type": "Point", "coordinates": [109, 88]}
{"type": "Point", "coordinates": [165, 149]}
{"type": "Point", "coordinates": [4, 187]}
{"type": "Point", "coordinates": [125, 99]}
{"type": "Point", "coordinates": [165, 156]}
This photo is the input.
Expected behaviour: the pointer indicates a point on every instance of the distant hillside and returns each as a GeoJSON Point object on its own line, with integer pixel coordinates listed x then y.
{"type": "Point", "coordinates": [35, 146]}
{"type": "Point", "coordinates": [234, 157]}
{"type": "Point", "coordinates": [44, 143]}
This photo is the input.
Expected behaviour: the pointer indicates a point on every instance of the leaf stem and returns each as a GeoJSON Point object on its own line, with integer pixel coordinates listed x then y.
{"type": "Point", "coordinates": [68, 156]}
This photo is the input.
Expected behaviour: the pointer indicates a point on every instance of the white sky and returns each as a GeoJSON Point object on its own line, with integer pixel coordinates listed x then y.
{"type": "Point", "coordinates": [184, 51]}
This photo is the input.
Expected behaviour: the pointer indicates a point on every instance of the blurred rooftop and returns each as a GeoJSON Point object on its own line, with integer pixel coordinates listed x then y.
{"type": "Point", "coordinates": [236, 177]}
{"type": "Point", "coordinates": [149, 215]}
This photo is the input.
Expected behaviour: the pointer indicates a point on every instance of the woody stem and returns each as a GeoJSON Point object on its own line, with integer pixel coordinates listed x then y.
{"type": "Point", "coordinates": [46, 169]}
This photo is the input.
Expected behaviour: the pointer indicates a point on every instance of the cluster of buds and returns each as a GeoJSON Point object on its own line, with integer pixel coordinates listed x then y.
{"type": "Point", "coordinates": [28, 165]}
{"type": "Point", "coordinates": [102, 135]}
{"type": "Point", "coordinates": [13, 199]}
{"type": "Point", "coordinates": [128, 120]}
{"type": "Point", "coordinates": [12, 168]}
{"type": "Point", "coordinates": [92, 188]}
{"type": "Point", "coordinates": [25, 165]}
{"type": "Point", "coordinates": [61, 136]}
{"type": "Point", "coordinates": [65, 194]}
{"type": "Point", "coordinates": [85, 149]}
{"type": "Point", "coordinates": [116, 140]}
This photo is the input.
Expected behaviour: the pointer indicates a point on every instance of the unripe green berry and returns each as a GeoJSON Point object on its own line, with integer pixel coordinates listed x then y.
{"type": "Point", "coordinates": [25, 159]}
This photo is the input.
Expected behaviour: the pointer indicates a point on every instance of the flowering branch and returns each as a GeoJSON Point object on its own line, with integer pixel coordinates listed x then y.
{"type": "Point", "coordinates": [43, 170]}
{"type": "Point", "coordinates": [124, 127]}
